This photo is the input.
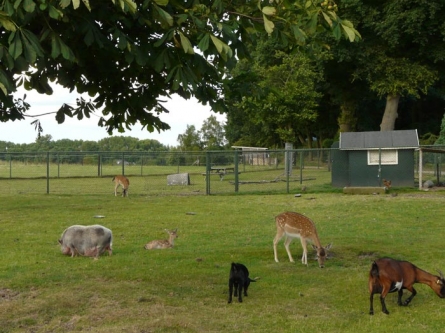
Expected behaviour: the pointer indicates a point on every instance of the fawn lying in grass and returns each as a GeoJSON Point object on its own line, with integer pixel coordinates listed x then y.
{"type": "Point", "coordinates": [163, 244]}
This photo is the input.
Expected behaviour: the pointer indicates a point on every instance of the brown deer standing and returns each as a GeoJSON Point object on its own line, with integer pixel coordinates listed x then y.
{"type": "Point", "coordinates": [295, 225]}
{"type": "Point", "coordinates": [121, 181]}
{"type": "Point", "coordinates": [163, 244]}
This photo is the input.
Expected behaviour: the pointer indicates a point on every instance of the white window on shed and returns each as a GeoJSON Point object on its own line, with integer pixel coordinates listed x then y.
{"type": "Point", "coordinates": [388, 157]}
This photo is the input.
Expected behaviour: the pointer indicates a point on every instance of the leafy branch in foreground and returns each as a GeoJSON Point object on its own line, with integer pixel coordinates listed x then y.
{"type": "Point", "coordinates": [129, 56]}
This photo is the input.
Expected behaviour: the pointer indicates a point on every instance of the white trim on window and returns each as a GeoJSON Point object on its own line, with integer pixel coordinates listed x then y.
{"type": "Point", "coordinates": [388, 157]}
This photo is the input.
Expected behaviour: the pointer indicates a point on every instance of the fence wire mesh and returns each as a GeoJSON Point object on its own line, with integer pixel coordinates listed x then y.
{"type": "Point", "coordinates": [215, 172]}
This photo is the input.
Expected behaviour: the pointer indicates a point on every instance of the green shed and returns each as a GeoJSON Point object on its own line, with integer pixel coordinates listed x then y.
{"type": "Point", "coordinates": [366, 158]}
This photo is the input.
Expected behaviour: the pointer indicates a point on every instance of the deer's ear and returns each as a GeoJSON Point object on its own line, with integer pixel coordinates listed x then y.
{"type": "Point", "coordinates": [314, 247]}
{"type": "Point", "coordinates": [328, 247]}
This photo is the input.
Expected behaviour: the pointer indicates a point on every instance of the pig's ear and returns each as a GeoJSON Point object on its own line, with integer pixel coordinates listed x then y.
{"type": "Point", "coordinates": [60, 241]}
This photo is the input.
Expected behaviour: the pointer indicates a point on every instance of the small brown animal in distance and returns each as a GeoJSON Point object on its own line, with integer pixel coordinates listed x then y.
{"type": "Point", "coordinates": [164, 243]}
{"type": "Point", "coordinates": [123, 182]}
{"type": "Point", "coordinates": [387, 183]}
{"type": "Point", "coordinates": [295, 225]}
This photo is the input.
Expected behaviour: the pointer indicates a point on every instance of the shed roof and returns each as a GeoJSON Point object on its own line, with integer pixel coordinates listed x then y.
{"type": "Point", "coordinates": [407, 139]}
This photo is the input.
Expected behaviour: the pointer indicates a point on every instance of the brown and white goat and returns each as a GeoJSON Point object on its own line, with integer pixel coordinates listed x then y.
{"type": "Point", "coordinates": [389, 275]}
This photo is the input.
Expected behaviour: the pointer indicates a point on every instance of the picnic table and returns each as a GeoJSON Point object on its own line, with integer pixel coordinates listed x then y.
{"type": "Point", "coordinates": [221, 171]}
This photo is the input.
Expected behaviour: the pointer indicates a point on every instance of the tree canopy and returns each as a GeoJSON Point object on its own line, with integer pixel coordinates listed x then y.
{"type": "Point", "coordinates": [400, 56]}
{"type": "Point", "coordinates": [277, 95]}
{"type": "Point", "coordinates": [393, 78]}
{"type": "Point", "coordinates": [130, 56]}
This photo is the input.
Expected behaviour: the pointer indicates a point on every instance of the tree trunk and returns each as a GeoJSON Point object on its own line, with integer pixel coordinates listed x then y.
{"type": "Point", "coordinates": [347, 120]}
{"type": "Point", "coordinates": [390, 115]}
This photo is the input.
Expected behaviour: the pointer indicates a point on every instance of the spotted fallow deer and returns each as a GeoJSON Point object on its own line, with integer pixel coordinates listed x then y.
{"type": "Point", "coordinates": [121, 181]}
{"type": "Point", "coordinates": [295, 225]}
{"type": "Point", "coordinates": [163, 244]}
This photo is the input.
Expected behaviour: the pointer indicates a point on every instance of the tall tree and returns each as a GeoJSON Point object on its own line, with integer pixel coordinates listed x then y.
{"type": "Point", "coordinates": [278, 93]}
{"type": "Point", "coordinates": [441, 139]}
{"type": "Point", "coordinates": [212, 134]}
{"type": "Point", "coordinates": [130, 56]}
{"type": "Point", "coordinates": [190, 140]}
{"type": "Point", "coordinates": [401, 54]}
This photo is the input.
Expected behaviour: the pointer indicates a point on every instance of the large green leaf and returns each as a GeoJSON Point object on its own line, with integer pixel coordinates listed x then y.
{"type": "Point", "coordinates": [64, 3]}
{"type": "Point", "coordinates": [268, 10]}
{"type": "Point", "coordinates": [268, 25]}
{"type": "Point", "coordinates": [87, 4]}
{"type": "Point", "coordinates": [327, 19]}
{"type": "Point", "coordinates": [67, 53]}
{"type": "Point", "coordinates": [29, 6]}
{"type": "Point", "coordinates": [76, 4]}
{"type": "Point", "coordinates": [204, 42]}
{"type": "Point", "coordinates": [186, 45]}
{"type": "Point", "coordinates": [165, 17]}
{"type": "Point", "coordinates": [161, 2]}
{"type": "Point", "coordinates": [55, 46]}
{"type": "Point", "coordinates": [7, 22]}
{"type": "Point", "coordinates": [3, 88]}
{"type": "Point", "coordinates": [299, 34]}
{"type": "Point", "coordinates": [55, 13]}
{"type": "Point", "coordinates": [349, 32]}
{"type": "Point", "coordinates": [126, 4]}
{"type": "Point", "coordinates": [32, 45]}
{"type": "Point", "coordinates": [7, 85]}
{"type": "Point", "coordinates": [15, 46]}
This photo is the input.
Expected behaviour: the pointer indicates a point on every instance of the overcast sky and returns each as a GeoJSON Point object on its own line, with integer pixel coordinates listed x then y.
{"type": "Point", "coordinates": [182, 113]}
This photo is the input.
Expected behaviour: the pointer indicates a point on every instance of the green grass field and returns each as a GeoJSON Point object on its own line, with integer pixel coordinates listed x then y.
{"type": "Point", "coordinates": [185, 289]}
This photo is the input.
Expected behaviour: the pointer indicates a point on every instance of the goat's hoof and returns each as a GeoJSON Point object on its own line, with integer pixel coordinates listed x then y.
{"type": "Point", "coordinates": [371, 313]}
{"type": "Point", "coordinates": [386, 312]}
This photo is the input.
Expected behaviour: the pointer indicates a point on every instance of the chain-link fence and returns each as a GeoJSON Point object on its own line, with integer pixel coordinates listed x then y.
{"type": "Point", "coordinates": [189, 173]}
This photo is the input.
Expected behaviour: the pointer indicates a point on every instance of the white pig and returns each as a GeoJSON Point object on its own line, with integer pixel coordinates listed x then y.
{"type": "Point", "coordinates": [89, 241]}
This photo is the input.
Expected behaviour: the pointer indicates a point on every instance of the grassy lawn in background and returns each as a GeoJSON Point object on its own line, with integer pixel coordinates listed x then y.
{"type": "Point", "coordinates": [185, 289]}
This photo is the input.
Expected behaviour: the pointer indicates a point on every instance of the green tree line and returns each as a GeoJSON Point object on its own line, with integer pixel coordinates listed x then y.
{"type": "Point", "coordinates": [210, 136]}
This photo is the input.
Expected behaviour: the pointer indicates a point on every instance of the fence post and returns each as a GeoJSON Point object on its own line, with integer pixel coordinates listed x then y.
{"type": "Point", "coordinates": [379, 174]}
{"type": "Point", "coordinates": [207, 173]}
{"type": "Point", "coordinates": [98, 165]}
{"type": "Point", "coordinates": [179, 161]}
{"type": "Point", "coordinates": [301, 165]}
{"type": "Point", "coordinates": [123, 163]}
{"type": "Point", "coordinates": [287, 168]}
{"type": "Point", "coordinates": [10, 166]}
{"type": "Point", "coordinates": [236, 171]}
{"type": "Point", "coordinates": [47, 172]}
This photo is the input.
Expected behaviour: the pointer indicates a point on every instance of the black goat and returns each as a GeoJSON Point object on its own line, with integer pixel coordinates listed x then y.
{"type": "Point", "coordinates": [239, 278]}
{"type": "Point", "coordinates": [389, 275]}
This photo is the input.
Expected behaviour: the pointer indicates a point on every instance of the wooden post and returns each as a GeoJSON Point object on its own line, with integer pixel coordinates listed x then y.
{"type": "Point", "coordinates": [420, 168]}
